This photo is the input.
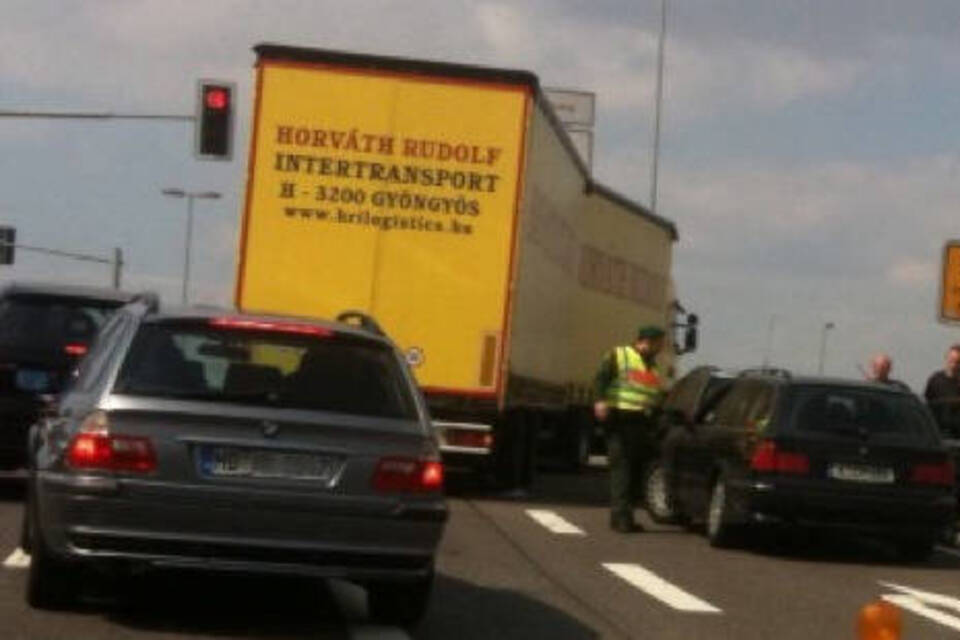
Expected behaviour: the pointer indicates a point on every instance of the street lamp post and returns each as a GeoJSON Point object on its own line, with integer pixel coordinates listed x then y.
{"type": "Point", "coordinates": [827, 326]}
{"type": "Point", "coordinates": [190, 196]}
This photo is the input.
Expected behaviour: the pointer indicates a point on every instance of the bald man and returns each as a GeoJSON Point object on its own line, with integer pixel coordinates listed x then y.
{"type": "Point", "coordinates": [880, 367]}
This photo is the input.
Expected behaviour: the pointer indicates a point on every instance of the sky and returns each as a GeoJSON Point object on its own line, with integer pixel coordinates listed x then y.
{"type": "Point", "coordinates": [809, 148]}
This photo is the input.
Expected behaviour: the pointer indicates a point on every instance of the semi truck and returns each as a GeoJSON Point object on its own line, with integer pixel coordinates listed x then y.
{"type": "Point", "coordinates": [447, 202]}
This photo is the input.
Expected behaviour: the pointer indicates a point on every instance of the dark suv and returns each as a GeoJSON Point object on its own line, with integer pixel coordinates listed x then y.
{"type": "Point", "coordinates": [44, 331]}
{"type": "Point", "coordinates": [841, 454]}
{"type": "Point", "coordinates": [215, 440]}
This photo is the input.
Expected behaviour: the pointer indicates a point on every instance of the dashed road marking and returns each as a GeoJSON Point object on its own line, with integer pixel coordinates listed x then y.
{"type": "Point", "coordinates": [553, 522]}
{"type": "Point", "coordinates": [656, 587]}
{"type": "Point", "coordinates": [17, 560]}
{"type": "Point", "coordinates": [930, 605]}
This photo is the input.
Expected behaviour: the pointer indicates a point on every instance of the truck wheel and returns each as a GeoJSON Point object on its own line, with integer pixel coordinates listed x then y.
{"type": "Point", "coordinates": [516, 451]}
{"type": "Point", "coordinates": [579, 443]}
{"type": "Point", "coordinates": [658, 496]}
{"type": "Point", "coordinates": [399, 603]}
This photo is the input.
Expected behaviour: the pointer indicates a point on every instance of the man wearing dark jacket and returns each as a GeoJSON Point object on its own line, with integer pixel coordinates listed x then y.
{"type": "Point", "coordinates": [943, 394]}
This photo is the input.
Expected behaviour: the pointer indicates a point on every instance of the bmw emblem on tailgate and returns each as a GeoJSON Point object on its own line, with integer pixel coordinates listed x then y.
{"type": "Point", "coordinates": [270, 429]}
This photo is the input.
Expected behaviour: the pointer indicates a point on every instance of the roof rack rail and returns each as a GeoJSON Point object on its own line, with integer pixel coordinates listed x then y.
{"type": "Point", "coordinates": [149, 299]}
{"type": "Point", "coordinates": [775, 372]}
{"type": "Point", "coordinates": [361, 319]}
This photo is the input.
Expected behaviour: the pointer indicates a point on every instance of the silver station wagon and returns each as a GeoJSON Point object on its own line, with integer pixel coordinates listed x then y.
{"type": "Point", "coordinates": [231, 442]}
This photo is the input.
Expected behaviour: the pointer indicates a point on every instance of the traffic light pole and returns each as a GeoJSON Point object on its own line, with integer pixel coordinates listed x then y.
{"type": "Point", "coordinates": [92, 115]}
{"type": "Point", "coordinates": [116, 260]}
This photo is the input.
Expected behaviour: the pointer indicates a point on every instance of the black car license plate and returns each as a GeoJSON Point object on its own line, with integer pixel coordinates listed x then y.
{"type": "Point", "coordinates": [237, 462]}
{"type": "Point", "coordinates": [861, 473]}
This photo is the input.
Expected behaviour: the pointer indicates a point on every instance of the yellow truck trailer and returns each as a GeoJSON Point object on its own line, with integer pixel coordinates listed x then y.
{"type": "Point", "coordinates": [448, 203]}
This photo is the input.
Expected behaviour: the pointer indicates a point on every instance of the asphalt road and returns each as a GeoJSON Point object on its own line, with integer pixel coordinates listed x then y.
{"type": "Point", "coordinates": [541, 567]}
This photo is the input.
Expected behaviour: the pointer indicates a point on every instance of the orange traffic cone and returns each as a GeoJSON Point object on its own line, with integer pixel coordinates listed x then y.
{"type": "Point", "coordinates": [879, 620]}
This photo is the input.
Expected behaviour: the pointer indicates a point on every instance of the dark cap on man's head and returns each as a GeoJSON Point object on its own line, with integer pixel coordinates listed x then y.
{"type": "Point", "coordinates": [650, 332]}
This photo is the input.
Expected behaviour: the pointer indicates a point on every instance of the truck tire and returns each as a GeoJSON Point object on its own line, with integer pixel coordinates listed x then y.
{"type": "Point", "coordinates": [515, 459]}
{"type": "Point", "coordinates": [579, 442]}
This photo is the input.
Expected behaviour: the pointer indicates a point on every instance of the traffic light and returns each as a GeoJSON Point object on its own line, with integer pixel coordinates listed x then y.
{"type": "Point", "coordinates": [214, 120]}
{"type": "Point", "coordinates": [8, 238]}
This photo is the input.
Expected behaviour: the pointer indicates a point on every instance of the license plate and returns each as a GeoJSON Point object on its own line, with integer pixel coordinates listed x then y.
{"type": "Point", "coordinates": [233, 462]}
{"type": "Point", "coordinates": [861, 473]}
{"type": "Point", "coordinates": [33, 380]}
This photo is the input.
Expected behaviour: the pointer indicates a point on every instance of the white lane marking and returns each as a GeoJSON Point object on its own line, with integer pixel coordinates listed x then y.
{"type": "Point", "coordinates": [655, 586]}
{"type": "Point", "coordinates": [922, 603]}
{"type": "Point", "coordinates": [555, 523]}
{"type": "Point", "coordinates": [17, 560]}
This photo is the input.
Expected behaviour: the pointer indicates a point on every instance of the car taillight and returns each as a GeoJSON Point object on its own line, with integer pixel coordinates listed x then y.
{"type": "Point", "coordinates": [939, 473]}
{"type": "Point", "coordinates": [469, 438]}
{"type": "Point", "coordinates": [95, 448]}
{"type": "Point", "coordinates": [767, 458]}
{"type": "Point", "coordinates": [75, 349]}
{"type": "Point", "coordinates": [408, 474]}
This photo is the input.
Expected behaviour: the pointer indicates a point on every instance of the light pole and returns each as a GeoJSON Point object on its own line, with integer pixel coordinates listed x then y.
{"type": "Point", "coordinates": [658, 103]}
{"type": "Point", "coordinates": [768, 347]}
{"type": "Point", "coordinates": [827, 326]}
{"type": "Point", "coordinates": [190, 196]}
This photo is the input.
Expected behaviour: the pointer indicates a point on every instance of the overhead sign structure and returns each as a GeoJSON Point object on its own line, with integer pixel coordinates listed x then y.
{"type": "Point", "coordinates": [576, 111]}
{"type": "Point", "coordinates": [576, 108]}
{"type": "Point", "coordinates": [949, 310]}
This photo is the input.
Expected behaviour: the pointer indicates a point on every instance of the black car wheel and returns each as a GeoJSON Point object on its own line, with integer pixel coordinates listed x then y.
{"type": "Point", "coordinates": [659, 498]}
{"type": "Point", "coordinates": [51, 583]}
{"type": "Point", "coordinates": [399, 603]}
{"type": "Point", "coordinates": [720, 531]}
{"type": "Point", "coordinates": [915, 550]}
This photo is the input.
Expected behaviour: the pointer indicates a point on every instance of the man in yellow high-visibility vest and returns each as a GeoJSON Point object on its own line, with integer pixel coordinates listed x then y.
{"type": "Point", "coordinates": [629, 389]}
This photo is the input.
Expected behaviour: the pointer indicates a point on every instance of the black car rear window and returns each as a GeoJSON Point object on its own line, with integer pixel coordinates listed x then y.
{"type": "Point", "coordinates": [851, 412]}
{"type": "Point", "coordinates": [42, 322]}
{"type": "Point", "coordinates": [282, 369]}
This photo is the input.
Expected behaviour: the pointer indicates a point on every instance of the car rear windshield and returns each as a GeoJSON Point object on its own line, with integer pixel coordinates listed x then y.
{"type": "Point", "coordinates": [41, 322]}
{"type": "Point", "coordinates": [852, 412]}
{"type": "Point", "coordinates": [283, 369]}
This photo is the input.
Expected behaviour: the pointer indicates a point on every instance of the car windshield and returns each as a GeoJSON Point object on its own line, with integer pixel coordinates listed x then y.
{"type": "Point", "coordinates": [49, 322]}
{"type": "Point", "coordinates": [283, 369]}
{"type": "Point", "coordinates": [860, 413]}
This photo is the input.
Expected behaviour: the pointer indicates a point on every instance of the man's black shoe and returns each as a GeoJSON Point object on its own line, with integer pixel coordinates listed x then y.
{"type": "Point", "coordinates": [626, 527]}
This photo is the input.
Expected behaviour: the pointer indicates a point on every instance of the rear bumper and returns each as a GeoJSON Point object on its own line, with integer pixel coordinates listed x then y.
{"type": "Point", "coordinates": [902, 512]}
{"type": "Point", "coordinates": [105, 522]}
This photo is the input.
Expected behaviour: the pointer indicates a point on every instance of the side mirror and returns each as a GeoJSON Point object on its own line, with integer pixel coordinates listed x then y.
{"type": "Point", "coordinates": [691, 336]}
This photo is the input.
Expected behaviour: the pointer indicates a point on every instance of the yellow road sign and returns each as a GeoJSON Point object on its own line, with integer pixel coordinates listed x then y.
{"type": "Point", "coordinates": [950, 283]}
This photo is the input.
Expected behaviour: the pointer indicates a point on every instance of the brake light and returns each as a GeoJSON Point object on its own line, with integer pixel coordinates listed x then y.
{"type": "Point", "coordinates": [767, 458]}
{"type": "Point", "coordinates": [75, 349]}
{"type": "Point", "coordinates": [408, 474]}
{"type": "Point", "coordinates": [469, 438]}
{"type": "Point", "coordinates": [940, 474]}
{"type": "Point", "coordinates": [265, 325]}
{"type": "Point", "coordinates": [95, 448]}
